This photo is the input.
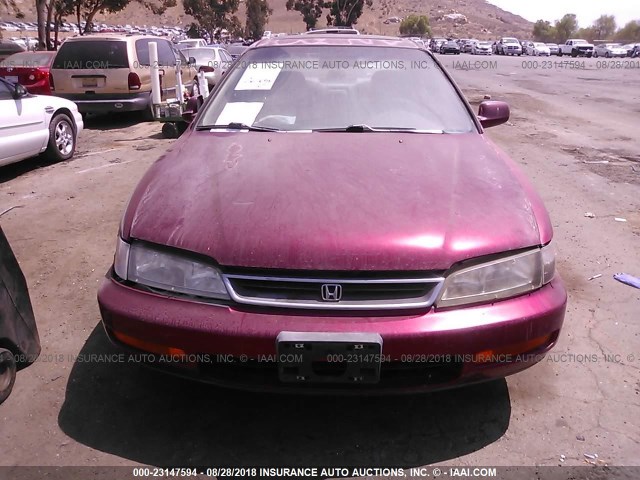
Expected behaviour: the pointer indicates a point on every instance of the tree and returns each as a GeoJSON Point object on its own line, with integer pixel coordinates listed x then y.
{"type": "Point", "coordinates": [311, 10]}
{"type": "Point", "coordinates": [630, 32]}
{"type": "Point", "coordinates": [415, 25]}
{"type": "Point", "coordinates": [588, 34]}
{"type": "Point", "coordinates": [214, 16]}
{"type": "Point", "coordinates": [258, 12]}
{"type": "Point", "coordinates": [543, 31]}
{"type": "Point", "coordinates": [566, 27]}
{"type": "Point", "coordinates": [345, 13]}
{"type": "Point", "coordinates": [604, 27]}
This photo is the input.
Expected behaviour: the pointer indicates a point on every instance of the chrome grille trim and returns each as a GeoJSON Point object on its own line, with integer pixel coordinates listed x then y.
{"type": "Point", "coordinates": [433, 285]}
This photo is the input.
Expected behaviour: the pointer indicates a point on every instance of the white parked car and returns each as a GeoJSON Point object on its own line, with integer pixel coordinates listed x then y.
{"type": "Point", "coordinates": [192, 43]}
{"type": "Point", "coordinates": [609, 50]}
{"type": "Point", "coordinates": [34, 124]}
{"type": "Point", "coordinates": [553, 48]}
{"type": "Point", "coordinates": [212, 61]}
{"type": "Point", "coordinates": [481, 48]}
{"type": "Point", "coordinates": [538, 49]}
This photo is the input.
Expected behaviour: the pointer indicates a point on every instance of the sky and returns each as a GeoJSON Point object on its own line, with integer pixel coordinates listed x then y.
{"type": "Point", "coordinates": [586, 10]}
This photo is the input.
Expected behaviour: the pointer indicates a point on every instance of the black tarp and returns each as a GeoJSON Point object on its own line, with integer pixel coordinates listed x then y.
{"type": "Point", "coordinates": [18, 331]}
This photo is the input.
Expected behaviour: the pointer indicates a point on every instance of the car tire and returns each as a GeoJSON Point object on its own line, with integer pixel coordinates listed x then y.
{"type": "Point", "coordinates": [7, 373]}
{"type": "Point", "coordinates": [62, 138]}
{"type": "Point", "coordinates": [607, 55]}
{"type": "Point", "coordinates": [595, 54]}
{"type": "Point", "coordinates": [147, 113]}
{"type": "Point", "coordinates": [195, 88]}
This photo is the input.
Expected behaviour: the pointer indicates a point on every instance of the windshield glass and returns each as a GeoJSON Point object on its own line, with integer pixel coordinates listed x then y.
{"type": "Point", "coordinates": [93, 54]}
{"type": "Point", "coordinates": [203, 56]}
{"type": "Point", "coordinates": [328, 87]}
{"type": "Point", "coordinates": [510, 40]}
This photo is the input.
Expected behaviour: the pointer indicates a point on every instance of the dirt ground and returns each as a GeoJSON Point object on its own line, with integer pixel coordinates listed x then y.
{"type": "Point", "coordinates": [584, 399]}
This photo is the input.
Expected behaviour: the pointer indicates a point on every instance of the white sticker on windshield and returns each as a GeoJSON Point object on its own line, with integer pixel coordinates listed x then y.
{"type": "Point", "coordinates": [239, 112]}
{"type": "Point", "coordinates": [259, 76]}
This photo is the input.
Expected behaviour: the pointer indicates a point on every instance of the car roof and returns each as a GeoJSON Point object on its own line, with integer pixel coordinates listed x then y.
{"type": "Point", "coordinates": [111, 36]}
{"type": "Point", "coordinates": [337, 40]}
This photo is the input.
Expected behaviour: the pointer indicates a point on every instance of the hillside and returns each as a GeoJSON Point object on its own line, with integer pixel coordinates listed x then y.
{"type": "Point", "coordinates": [463, 18]}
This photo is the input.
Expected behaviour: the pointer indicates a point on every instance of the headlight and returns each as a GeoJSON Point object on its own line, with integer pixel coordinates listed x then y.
{"type": "Point", "coordinates": [167, 270]}
{"type": "Point", "coordinates": [499, 279]}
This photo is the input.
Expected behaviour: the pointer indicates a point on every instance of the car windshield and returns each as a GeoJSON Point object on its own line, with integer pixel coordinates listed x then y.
{"type": "Point", "coordinates": [539, 45]}
{"type": "Point", "coordinates": [28, 60]}
{"type": "Point", "coordinates": [510, 40]}
{"type": "Point", "coordinates": [334, 88]}
{"type": "Point", "coordinates": [484, 44]}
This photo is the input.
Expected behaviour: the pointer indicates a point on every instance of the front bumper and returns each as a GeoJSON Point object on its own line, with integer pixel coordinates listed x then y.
{"type": "Point", "coordinates": [424, 351]}
{"type": "Point", "coordinates": [106, 103]}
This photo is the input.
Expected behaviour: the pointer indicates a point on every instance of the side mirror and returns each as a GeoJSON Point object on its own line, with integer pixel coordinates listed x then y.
{"type": "Point", "coordinates": [192, 60]}
{"type": "Point", "coordinates": [19, 92]}
{"type": "Point", "coordinates": [492, 113]}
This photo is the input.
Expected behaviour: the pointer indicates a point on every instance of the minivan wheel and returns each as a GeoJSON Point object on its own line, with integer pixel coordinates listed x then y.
{"type": "Point", "coordinates": [7, 373]}
{"type": "Point", "coordinates": [147, 113]}
{"type": "Point", "coordinates": [62, 138]}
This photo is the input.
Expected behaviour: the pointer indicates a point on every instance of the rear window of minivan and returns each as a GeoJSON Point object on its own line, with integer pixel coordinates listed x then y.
{"type": "Point", "coordinates": [93, 54]}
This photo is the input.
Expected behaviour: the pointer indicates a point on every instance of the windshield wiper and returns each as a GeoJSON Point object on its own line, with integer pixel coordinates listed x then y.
{"type": "Point", "coordinates": [366, 128]}
{"type": "Point", "coordinates": [237, 126]}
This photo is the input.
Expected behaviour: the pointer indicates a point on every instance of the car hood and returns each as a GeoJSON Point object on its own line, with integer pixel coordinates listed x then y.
{"type": "Point", "coordinates": [336, 201]}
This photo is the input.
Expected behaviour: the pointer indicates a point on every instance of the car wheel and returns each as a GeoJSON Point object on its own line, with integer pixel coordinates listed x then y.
{"type": "Point", "coordinates": [559, 53]}
{"type": "Point", "coordinates": [170, 130]}
{"type": "Point", "coordinates": [195, 88]}
{"type": "Point", "coordinates": [147, 113]}
{"type": "Point", "coordinates": [7, 373]}
{"type": "Point", "coordinates": [595, 54]}
{"type": "Point", "coordinates": [62, 138]}
{"type": "Point", "coordinates": [608, 55]}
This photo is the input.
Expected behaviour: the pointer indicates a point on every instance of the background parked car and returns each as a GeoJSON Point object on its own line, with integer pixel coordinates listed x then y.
{"type": "Point", "coordinates": [192, 43]}
{"type": "Point", "coordinates": [609, 50]}
{"type": "Point", "coordinates": [236, 49]}
{"type": "Point", "coordinates": [106, 73]}
{"type": "Point", "coordinates": [213, 61]}
{"type": "Point", "coordinates": [481, 48]}
{"type": "Point", "coordinates": [435, 43]}
{"type": "Point", "coordinates": [450, 46]}
{"type": "Point", "coordinates": [19, 339]}
{"type": "Point", "coordinates": [553, 48]}
{"type": "Point", "coordinates": [537, 49]}
{"type": "Point", "coordinates": [33, 124]}
{"type": "Point", "coordinates": [468, 45]}
{"type": "Point", "coordinates": [508, 46]}
{"type": "Point", "coordinates": [630, 47]}
{"type": "Point", "coordinates": [526, 44]}
{"type": "Point", "coordinates": [30, 69]}
{"type": "Point", "coordinates": [9, 48]}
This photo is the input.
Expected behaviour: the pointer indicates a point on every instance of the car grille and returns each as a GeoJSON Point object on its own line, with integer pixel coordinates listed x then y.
{"type": "Point", "coordinates": [335, 291]}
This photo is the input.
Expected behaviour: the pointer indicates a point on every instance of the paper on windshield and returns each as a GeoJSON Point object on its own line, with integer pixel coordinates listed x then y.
{"type": "Point", "coordinates": [259, 76]}
{"type": "Point", "coordinates": [239, 112]}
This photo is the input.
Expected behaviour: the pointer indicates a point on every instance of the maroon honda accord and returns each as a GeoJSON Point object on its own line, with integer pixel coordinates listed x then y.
{"type": "Point", "coordinates": [335, 219]}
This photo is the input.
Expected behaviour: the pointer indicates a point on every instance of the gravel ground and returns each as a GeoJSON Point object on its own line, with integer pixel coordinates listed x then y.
{"type": "Point", "coordinates": [584, 399]}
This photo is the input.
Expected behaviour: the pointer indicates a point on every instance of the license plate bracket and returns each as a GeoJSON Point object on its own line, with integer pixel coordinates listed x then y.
{"type": "Point", "coordinates": [328, 358]}
{"type": "Point", "coordinates": [89, 82]}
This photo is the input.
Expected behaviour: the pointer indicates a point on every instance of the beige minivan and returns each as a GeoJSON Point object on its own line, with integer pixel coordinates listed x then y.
{"type": "Point", "coordinates": [111, 73]}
